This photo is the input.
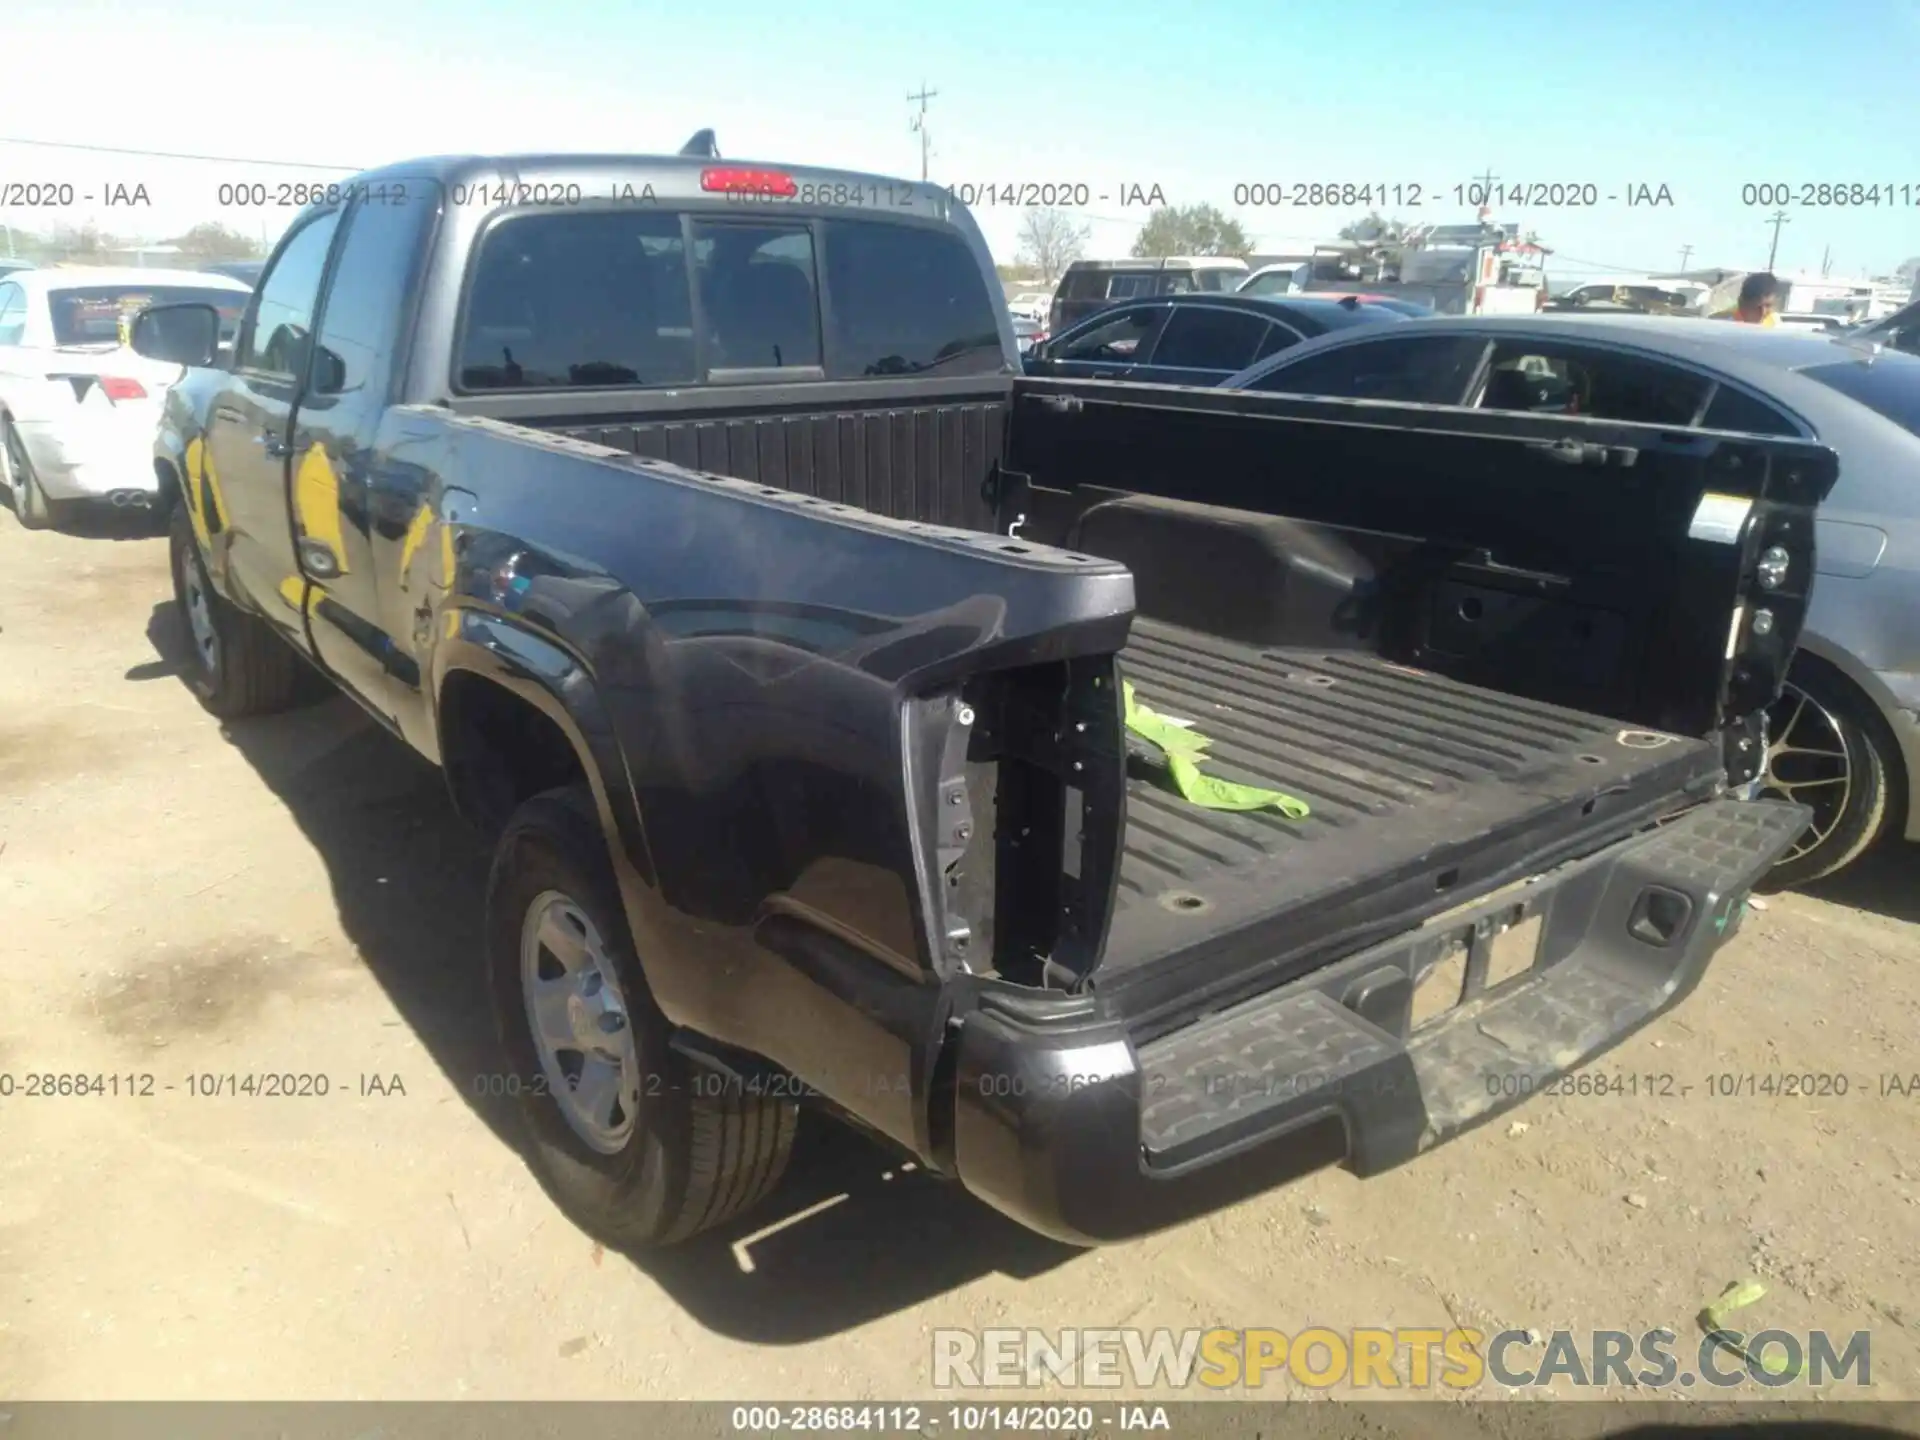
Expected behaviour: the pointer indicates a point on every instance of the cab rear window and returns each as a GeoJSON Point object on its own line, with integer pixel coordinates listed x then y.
{"type": "Point", "coordinates": [906, 300]}
{"type": "Point", "coordinates": [585, 300]}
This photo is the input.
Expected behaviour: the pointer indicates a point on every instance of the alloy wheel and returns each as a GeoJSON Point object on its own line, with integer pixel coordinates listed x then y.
{"type": "Point", "coordinates": [1808, 763]}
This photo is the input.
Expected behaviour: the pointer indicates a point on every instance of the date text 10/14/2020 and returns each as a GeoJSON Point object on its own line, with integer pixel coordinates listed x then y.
{"type": "Point", "coordinates": [198, 1085]}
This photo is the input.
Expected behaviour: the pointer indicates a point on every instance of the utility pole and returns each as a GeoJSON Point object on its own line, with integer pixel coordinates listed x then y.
{"type": "Point", "coordinates": [919, 122]}
{"type": "Point", "coordinates": [1685, 251]}
{"type": "Point", "coordinates": [1777, 219]}
{"type": "Point", "coordinates": [1826, 261]}
{"type": "Point", "coordinates": [1486, 183]}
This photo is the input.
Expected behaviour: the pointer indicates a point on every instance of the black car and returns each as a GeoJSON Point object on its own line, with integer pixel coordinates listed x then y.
{"type": "Point", "coordinates": [1196, 339]}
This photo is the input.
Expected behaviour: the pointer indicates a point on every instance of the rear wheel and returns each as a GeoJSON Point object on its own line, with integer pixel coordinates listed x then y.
{"type": "Point", "coordinates": [1827, 751]}
{"type": "Point", "coordinates": [235, 663]}
{"type": "Point", "coordinates": [30, 505]}
{"type": "Point", "coordinates": [633, 1145]}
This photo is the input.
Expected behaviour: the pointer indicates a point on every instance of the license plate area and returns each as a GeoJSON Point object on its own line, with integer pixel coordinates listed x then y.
{"type": "Point", "coordinates": [1477, 959]}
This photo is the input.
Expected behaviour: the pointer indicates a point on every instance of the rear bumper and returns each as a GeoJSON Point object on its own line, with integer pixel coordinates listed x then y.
{"type": "Point", "coordinates": [1068, 1127]}
{"type": "Point", "coordinates": [90, 466]}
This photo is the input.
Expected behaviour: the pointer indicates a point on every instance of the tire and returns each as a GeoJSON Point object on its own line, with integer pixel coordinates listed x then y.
{"type": "Point", "coordinates": [236, 665]}
{"type": "Point", "coordinates": [30, 504]}
{"type": "Point", "coordinates": [671, 1157]}
{"type": "Point", "coordinates": [1826, 749]}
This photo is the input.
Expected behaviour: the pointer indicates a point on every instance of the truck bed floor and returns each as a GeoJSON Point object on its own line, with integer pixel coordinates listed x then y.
{"type": "Point", "coordinates": [1420, 788]}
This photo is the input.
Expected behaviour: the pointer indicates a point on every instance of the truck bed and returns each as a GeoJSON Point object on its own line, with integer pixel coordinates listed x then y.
{"type": "Point", "coordinates": [1424, 792]}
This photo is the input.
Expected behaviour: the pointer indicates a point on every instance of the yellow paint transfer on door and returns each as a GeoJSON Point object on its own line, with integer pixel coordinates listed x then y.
{"type": "Point", "coordinates": [316, 502]}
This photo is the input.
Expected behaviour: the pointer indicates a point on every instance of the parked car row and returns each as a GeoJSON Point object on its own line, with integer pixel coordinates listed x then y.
{"type": "Point", "coordinates": [1196, 339]}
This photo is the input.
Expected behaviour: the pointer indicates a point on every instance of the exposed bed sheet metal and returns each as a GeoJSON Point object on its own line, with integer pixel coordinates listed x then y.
{"type": "Point", "coordinates": [1402, 769]}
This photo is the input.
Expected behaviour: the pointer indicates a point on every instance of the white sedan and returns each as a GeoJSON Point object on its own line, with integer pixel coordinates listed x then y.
{"type": "Point", "coordinates": [1033, 304]}
{"type": "Point", "coordinates": [78, 408]}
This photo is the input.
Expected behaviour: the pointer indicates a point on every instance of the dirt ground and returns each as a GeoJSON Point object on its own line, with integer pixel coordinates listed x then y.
{"type": "Point", "coordinates": [294, 895]}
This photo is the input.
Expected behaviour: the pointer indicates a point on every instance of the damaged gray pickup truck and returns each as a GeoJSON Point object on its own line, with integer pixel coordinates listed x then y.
{"type": "Point", "coordinates": [695, 518]}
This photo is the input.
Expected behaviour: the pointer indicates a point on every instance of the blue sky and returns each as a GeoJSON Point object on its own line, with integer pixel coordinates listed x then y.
{"type": "Point", "coordinates": [1193, 97]}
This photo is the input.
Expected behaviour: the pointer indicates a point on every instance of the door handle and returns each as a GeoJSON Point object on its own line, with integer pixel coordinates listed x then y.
{"type": "Point", "coordinates": [1582, 452]}
{"type": "Point", "coordinates": [1570, 452]}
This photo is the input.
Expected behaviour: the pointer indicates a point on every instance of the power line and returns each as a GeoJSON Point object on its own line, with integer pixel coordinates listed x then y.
{"type": "Point", "coordinates": [175, 155]}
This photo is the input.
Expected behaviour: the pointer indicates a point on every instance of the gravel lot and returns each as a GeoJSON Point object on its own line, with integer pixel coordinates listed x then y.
{"type": "Point", "coordinates": [294, 895]}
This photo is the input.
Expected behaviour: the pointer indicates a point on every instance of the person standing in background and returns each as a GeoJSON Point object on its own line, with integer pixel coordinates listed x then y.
{"type": "Point", "coordinates": [1759, 300]}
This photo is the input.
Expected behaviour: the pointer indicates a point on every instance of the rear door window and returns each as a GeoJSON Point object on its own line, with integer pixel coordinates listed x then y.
{"type": "Point", "coordinates": [1201, 337]}
{"type": "Point", "coordinates": [1732, 409]}
{"type": "Point", "coordinates": [1278, 337]}
{"type": "Point", "coordinates": [906, 300]}
{"type": "Point", "coordinates": [1119, 339]}
{"type": "Point", "coordinates": [577, 301]}
{"type": "Point", "coordinates": [1427, 369]}
{"type": "Point", "coordinates": [1575, 380]}
{"type": "Point", "coordinates": [1129, 284]}
{"type": "Point", "coordinates": [1217, 282]}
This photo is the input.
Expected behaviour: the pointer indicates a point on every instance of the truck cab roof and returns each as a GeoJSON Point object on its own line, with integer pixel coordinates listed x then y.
{"type": "Point", "coordinates": [605, 177]}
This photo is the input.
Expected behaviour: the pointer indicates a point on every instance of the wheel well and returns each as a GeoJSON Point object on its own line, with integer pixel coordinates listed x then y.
{"type": "Point", "coordinates": [1812, 669]}
{"type": "Point", "coordinates": [499, 750]}
{"type": "Point", "coordinates": [169, 479]}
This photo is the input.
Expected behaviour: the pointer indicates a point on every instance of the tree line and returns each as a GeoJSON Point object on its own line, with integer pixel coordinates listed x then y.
{"type": "Point", "coordinates": [1051, 239]}
{"type": "Point", "coordinates": [204, 244]}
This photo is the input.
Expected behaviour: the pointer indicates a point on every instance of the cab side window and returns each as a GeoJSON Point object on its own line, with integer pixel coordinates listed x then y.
{"type": "Point", "coordinates": [367, 302]}
{"type": "Point", "coordinates": [277, 342]}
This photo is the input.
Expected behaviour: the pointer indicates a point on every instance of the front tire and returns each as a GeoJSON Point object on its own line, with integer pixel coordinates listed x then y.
{"type": "Point", "coordinates": [30, 504]}
{"type": "Point", "coordinates": [236, 665]}
{"type": "Point", "coordinates": [1826, 750]}
{"type": "Point", "coordinates": [630, 1142]}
